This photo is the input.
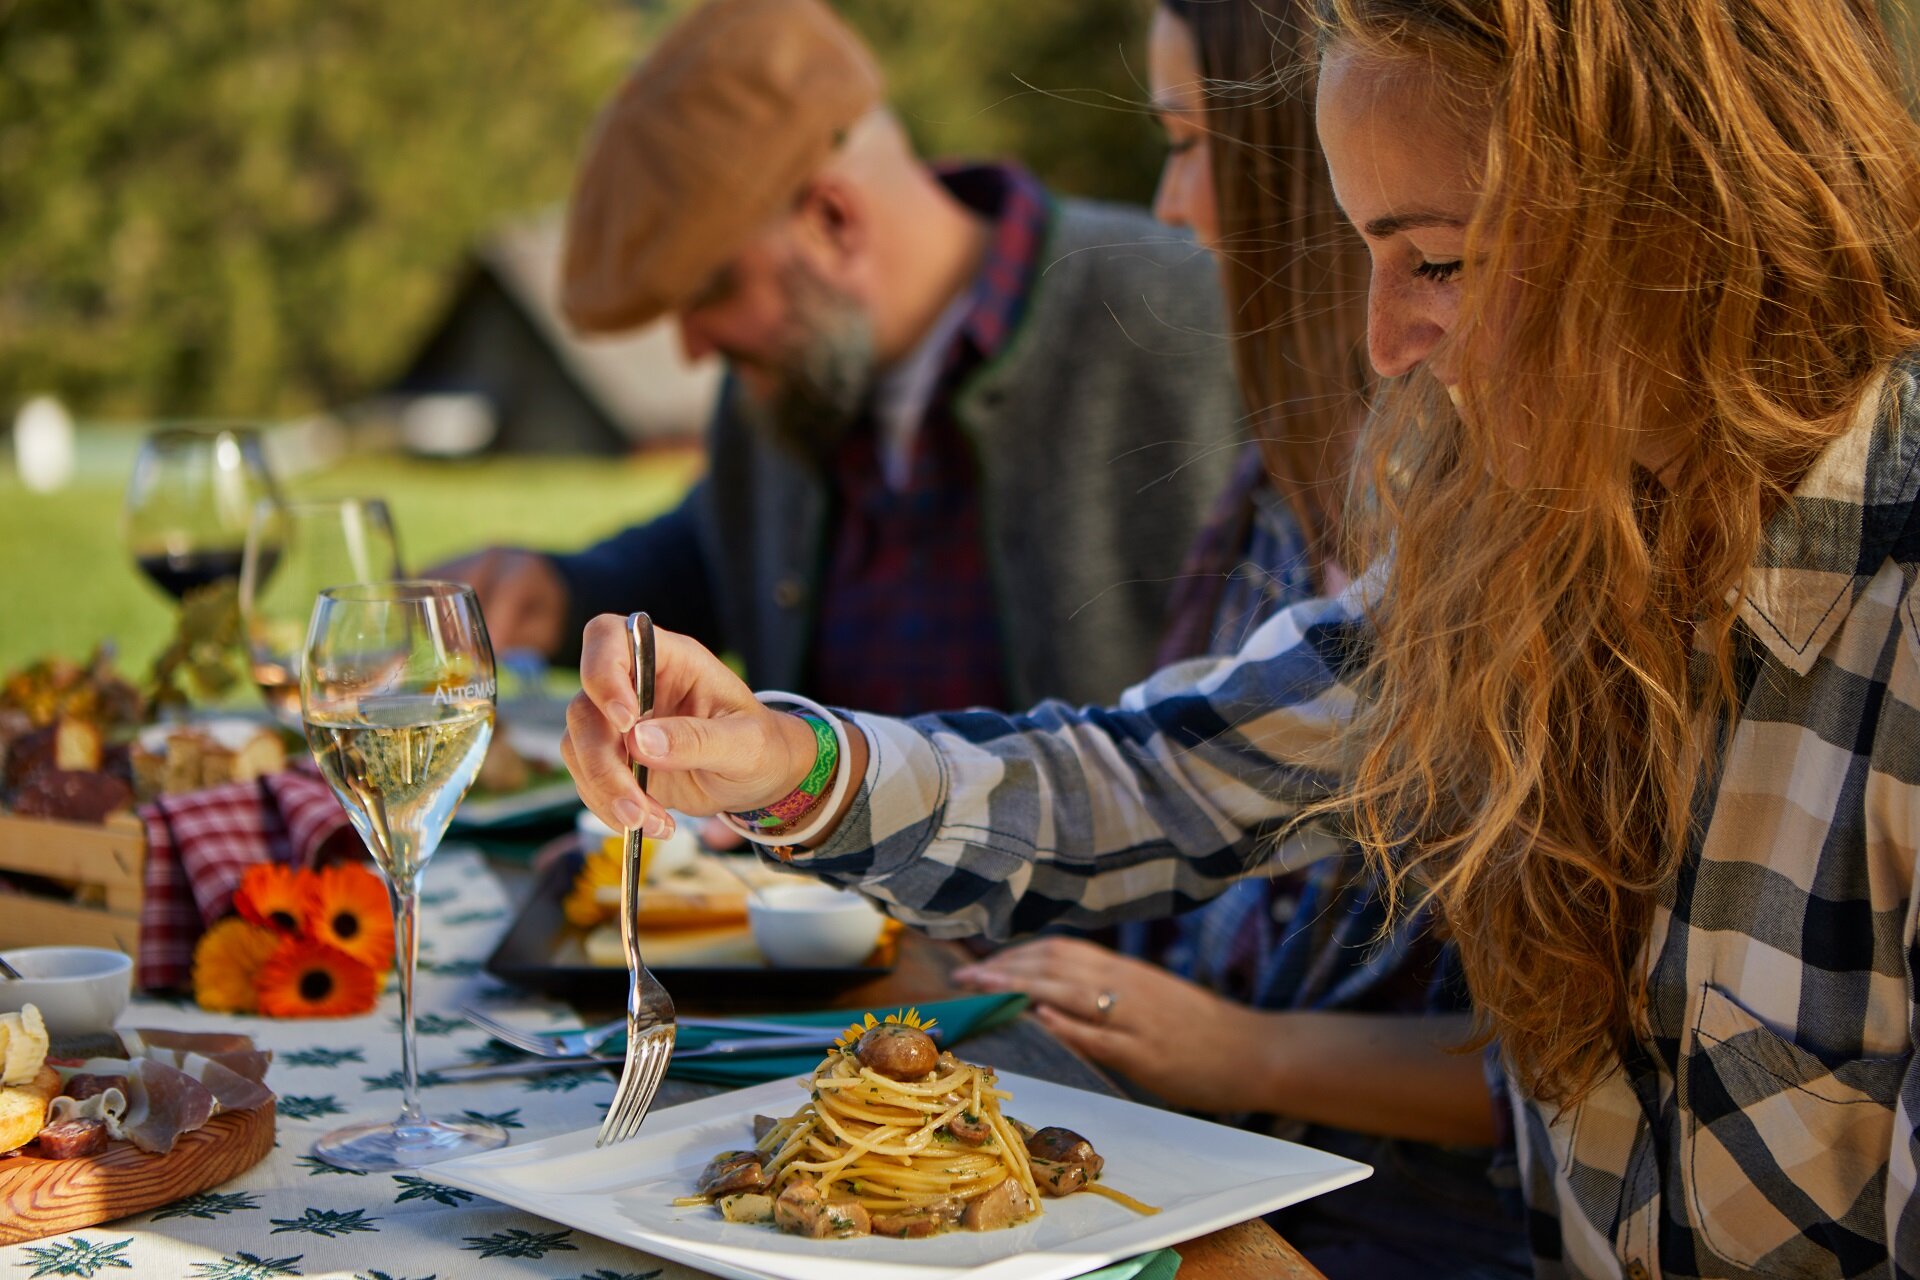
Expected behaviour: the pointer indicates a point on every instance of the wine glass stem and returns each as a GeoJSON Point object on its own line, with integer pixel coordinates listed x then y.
{"type": "Point", "coordinates": [406, 946]}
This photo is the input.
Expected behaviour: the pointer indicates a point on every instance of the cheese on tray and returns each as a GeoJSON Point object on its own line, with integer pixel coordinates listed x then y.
{"type": "Point", "coordinates": [23, 1046]}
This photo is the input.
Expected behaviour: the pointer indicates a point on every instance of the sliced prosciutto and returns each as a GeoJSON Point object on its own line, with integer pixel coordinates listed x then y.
{"type": "Point", "coordinates": [233, 1091]}
{"type": "Point", "coordinates": [231, 1050]}
{"type": "Point", "coordinates": [164, 1103]}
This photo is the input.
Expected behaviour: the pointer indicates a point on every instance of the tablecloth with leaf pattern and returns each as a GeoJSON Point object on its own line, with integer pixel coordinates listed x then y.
{"type": "Point", "coordinates": [293, 1216]}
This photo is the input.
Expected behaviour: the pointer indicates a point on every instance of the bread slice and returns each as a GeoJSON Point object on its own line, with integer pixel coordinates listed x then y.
{"type": "Point", "coordinates": [261, 755]}
{"type": "Point", "coordinates": [23, 1109]}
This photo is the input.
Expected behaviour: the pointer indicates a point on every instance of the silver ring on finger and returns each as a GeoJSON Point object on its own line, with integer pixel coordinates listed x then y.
{"type": "Point", "coordinates": [1103, 1005]}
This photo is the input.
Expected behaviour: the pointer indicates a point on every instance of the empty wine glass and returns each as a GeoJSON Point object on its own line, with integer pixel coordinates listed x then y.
{"type": "Point", "coordinates": [293, 552]}
{"type": "Point", "coordinates": [397, 686]}
{"type": "Point", "coordinates": [189, 502]}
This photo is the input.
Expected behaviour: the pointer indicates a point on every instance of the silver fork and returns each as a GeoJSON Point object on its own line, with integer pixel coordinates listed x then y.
{"type": "Point", "coordinates": [650, 1017]}
{"type": "Point", "coordinates": [588, 1040]}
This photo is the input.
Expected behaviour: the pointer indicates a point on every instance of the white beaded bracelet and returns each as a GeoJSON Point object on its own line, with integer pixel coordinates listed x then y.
{"type": "Point", "coordinates": [829, 805]}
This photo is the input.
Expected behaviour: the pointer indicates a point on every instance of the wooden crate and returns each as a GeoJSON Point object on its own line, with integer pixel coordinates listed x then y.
{"type": "Point", "coordinates": [112, 857]}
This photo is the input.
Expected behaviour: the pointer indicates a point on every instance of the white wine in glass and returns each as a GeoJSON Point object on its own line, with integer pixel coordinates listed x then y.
{"type": "Point", "coordinates": [397, 687]}
{"type": "Point", "coordinates": [294, 551]}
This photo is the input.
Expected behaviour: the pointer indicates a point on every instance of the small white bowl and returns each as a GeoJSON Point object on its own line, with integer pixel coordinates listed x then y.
{"type": "Point", "coordinates": [78, 990]}
{"type": "Point", "coordinates": [812, 926]}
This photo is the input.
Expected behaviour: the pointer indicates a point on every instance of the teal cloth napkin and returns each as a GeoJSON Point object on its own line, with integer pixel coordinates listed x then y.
{"type": "Point", "coordinates": [1162, 1264]}
{"type": "Point", "coordinates": [958, 1019]}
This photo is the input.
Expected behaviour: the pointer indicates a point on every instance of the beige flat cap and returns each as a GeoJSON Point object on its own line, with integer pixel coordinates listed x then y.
{"type": "Point", "coordinates": [706, 141]}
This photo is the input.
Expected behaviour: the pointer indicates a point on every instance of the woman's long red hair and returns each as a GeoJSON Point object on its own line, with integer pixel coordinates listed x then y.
{"type": "Point", "coordinates": [1700, 230]}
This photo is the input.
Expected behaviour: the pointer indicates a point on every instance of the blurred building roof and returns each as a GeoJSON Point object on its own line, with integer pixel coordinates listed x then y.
{"type": "Point", "coordinates": [503, 338]}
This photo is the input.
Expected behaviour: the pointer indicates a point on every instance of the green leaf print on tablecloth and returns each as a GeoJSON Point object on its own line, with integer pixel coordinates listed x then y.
{"type": "Point", "coordinates": [604, 1274]}
{"type": "Point", "coordinates": [326, 1222]}
{"type": "Point", "coordinates": [481, 916]}
{"type": "Point", "coordinates": [207, 1205]}
{"type": "Point", "coordinates": [245, 1266]}
{"type": "Point", "coordinates": [434, 1024]}
{"type": "Point", "coordinates": [298, 1107]}
{"type": "Point", "coordinates": [78, 1256]}
{"type": "Point", "coordinates": [381, 1275]}
{"type": "Point", "coordinates": [393, 1079]}
{"type": "Point", "coordinates": [515, 1243]}
{"type": "Point", "coordinates": [321, 1056]}
{"type": "Point", "coordinates": [316, 1166]}
{"type": "Point", "coordinates": [493, 1051]}
{"type": "Point", "coordinates": [563, 1081]}
{"type": "Point", "coordinates": [505, 1119]}
{"type": "Point", "coordinates": [421, 1189]}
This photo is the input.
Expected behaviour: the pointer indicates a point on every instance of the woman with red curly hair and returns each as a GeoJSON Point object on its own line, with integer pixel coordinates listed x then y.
{"type": "Point", "coordinates": [1630, 693]}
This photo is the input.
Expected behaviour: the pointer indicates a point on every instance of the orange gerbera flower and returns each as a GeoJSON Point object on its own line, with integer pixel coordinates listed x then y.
{"type": "Point", "coordinates": [308, 979]}
{"type": "Point", "coordinates": [346, 907]}
{"type": "Point", "coordinates": [269, 895]}
{"type": "Point", "coordinates": [226, 964]}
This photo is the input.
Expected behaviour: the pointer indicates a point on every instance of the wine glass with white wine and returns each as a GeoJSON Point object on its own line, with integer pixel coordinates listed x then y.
{"type": "Point", "coordinates": [397, 689]}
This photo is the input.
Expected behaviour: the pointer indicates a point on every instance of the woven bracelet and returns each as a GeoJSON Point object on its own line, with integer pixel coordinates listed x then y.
{"type": "Point", "coordinates": [799, 802]}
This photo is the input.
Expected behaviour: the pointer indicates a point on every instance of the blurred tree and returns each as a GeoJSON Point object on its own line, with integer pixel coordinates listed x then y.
{"type": "Point", "coordinates": [1060, 86]}
{"type": "Point", "coordinates": [255, 208]}
{"type": "Point", "coordinates": [219, 208]}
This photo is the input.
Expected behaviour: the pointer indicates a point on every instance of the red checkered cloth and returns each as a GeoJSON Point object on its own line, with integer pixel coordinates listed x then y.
{"type": "Point", "coordinates": [201, 843]}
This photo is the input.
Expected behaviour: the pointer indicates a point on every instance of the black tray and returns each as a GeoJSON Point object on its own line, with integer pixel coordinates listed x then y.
{"type": "Point", "coordinates": [526, 957]}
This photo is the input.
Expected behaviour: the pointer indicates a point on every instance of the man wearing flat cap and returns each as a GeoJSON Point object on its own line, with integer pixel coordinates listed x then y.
{"type": "Point", "coordinates": [968, 429]}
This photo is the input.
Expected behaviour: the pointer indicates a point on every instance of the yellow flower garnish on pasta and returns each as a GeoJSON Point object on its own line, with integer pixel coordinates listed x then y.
{"type": "Point", "coordinates": [906, 1017]}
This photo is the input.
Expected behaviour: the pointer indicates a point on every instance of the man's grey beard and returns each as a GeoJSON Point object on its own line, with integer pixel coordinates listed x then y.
{"type": "Point", "coordinates": [826, 374]}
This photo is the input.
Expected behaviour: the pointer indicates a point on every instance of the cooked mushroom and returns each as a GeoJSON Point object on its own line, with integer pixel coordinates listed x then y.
{"type": "Point", "coordinates": [848, 1218]}
{"type": "Point", "coordinates": [762, 1126]}
{"type": "Point", "coordinates": [897, 1052]}
{"type": "Point", "coordinates": [1055, 1179]}
{"type": "Point", "coordinates": [1063, 1146]}
{"type": "Point", "coordinates": [1063, 1161]}
{"type": "Point", "coordinates": [924, 1220]}
{"type": "Point", "coordinates": [731, 1172]}
{"type": "Point", "coordinates": [803, 1211]}
{"type": "Point", "coordinates": [970, 1129]}
{"type": "Point", "coordinates": [1003, 1206]}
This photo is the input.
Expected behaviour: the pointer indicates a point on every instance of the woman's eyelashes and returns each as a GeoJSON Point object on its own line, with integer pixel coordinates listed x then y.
{"type": "Point", "coordinates": [1438, 272]}
{"type": "Point", "coordinates": [1180, 146]}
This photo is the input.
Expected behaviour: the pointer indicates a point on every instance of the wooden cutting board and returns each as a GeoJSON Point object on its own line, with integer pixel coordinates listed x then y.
{"type": "Point", "coordinates": [44, 1197]}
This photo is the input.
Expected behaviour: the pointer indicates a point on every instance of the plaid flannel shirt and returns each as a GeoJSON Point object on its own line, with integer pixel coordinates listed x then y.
{"type": "Point", "coordinates": [1766, 1122]}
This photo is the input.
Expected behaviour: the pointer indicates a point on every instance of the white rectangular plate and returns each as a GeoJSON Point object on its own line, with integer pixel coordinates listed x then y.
{"type": "Point", "coordinates": [1203, 1176]}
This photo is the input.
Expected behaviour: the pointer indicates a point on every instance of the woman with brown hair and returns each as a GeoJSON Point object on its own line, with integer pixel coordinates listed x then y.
{"type": "Point", "coordinates": [1633, 696]}
{"type": "Point", "coordinates": [1331, 1017]}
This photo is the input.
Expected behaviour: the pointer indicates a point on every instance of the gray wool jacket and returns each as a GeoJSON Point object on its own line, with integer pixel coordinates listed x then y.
{"type": "Point", "coordinates": [1103, 430]}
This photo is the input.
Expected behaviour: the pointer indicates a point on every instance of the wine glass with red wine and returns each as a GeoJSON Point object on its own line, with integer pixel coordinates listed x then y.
{"type": "Point", "coordinates": [294, 551]}
{"type": "Point", "coordinates": [189, 503]}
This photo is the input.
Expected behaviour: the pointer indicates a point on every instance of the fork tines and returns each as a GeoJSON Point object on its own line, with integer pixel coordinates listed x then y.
{"type": "Point", "coordinates": [648, 1004]}
{"type": "Point", "coordinates": [639, 1080]}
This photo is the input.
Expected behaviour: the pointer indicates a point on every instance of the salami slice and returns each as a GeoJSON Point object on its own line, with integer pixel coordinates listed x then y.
{"type": "Point", "coordinates": [71, 1139]}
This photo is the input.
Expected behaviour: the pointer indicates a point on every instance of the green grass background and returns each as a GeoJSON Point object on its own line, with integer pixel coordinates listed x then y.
{"type": "Point", "coordinates": [66, 581]}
